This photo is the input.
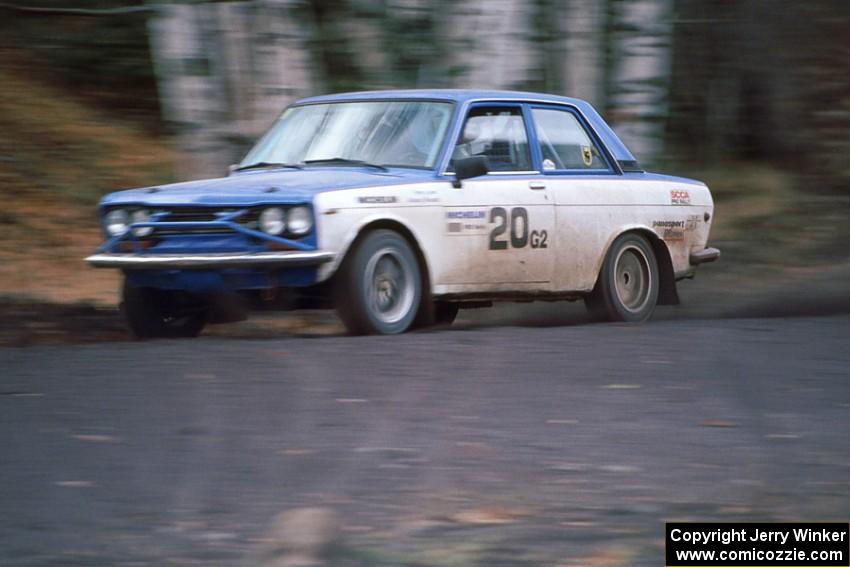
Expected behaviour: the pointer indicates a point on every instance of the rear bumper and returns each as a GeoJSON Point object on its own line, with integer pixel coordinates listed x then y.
{"type": "Point", "coordinates": [704, 256]}
{"type": "Point", "coordinates": [208, 261]}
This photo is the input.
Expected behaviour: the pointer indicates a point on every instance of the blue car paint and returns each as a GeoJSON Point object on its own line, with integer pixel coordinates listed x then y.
{"type": "Point", "coordinates": [661, 177]}
{"type": "Point", "coordinates": [213, 281]}
{"type": "Point", "coordinates": [251, 188]}
{"type": "Point", "coordinates": [464, 97]}
{"type": "Point", "coordinates": [286, 186]}
{"type": "Point", "coordinates": [264, 187]}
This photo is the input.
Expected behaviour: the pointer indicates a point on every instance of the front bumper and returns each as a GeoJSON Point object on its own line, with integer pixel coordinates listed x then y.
{"type": "Point", "coordinates": [208, 261]}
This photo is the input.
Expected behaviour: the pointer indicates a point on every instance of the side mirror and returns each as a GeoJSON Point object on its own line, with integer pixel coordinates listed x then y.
{"type": "Point", "coordinates": [231, 168]}
{"type": "Point", "coordinates": [467, 168]}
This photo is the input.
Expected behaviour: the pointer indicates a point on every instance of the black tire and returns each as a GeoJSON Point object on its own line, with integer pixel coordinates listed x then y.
{"type": "Point", "coordinates": [379, 285]}
{"type": "Point", "coordinates": [445, 312]}
{"type": "Point", "coordinates": [155, 313]}
{"type": "Point", "coordinates": [627, 286]}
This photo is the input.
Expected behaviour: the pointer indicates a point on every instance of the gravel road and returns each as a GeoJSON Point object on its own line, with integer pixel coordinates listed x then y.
{"type": "Point", "coordinates": [481, 445]}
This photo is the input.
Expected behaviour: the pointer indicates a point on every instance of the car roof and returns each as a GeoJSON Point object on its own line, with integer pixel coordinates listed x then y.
{"type": "Point", "coordinates": [456, 95]}
{"type": "Point", "coordinates": [619, 150]}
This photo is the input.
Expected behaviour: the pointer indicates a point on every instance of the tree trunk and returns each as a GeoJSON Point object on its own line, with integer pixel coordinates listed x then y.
{"type": "Point", "coordinates": [639, 66]}
{"type": "Point", "coordinates": [583, 51]}
{"type": "Point", "coordinates": [225, 71]}
{"type": "Point", "coordinates": [490, 43]}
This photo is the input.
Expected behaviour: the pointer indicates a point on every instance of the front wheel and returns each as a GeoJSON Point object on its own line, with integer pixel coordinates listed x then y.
{"type": "Point", "coordinates": [379, 285]}
{"type": "Point", "coordinates": [627, 287]}
{"type": "Point", "coordinates": [156, 313]}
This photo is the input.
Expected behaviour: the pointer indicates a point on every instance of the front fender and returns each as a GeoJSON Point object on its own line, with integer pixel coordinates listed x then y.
{"type": "Point", "coordinates": [351, 223]}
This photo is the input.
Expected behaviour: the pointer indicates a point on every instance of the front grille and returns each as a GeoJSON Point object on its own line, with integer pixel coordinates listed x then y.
{"type": "Point", "coordinates": [201, 214]}
{"type": "Point", "coordinates": [191, 215]}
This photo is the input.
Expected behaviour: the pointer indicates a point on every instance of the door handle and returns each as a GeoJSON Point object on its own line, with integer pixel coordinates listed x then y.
{"type": "Point", "coordinates": [537, 185]}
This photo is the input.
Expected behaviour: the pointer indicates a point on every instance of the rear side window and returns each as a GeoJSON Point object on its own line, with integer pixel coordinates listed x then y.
{"type": "Point", "coordinates": [498, 133]}
{"type": "Point", "coordinates": [564, 143]}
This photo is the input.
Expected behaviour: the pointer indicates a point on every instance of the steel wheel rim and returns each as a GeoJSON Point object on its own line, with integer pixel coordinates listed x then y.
{"type": "Point", "coordinates": [389, 287]}
{"type": "Point", "coordinates": [632, 278]}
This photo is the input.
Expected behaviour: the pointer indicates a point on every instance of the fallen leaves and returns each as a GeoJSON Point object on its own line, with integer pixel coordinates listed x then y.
{"type": "Point", "coordinates": [717, 423]}
{"type": "Point", "coordinates": [485, 516]}
{"type": "Point", "coordinates": [95, 438]}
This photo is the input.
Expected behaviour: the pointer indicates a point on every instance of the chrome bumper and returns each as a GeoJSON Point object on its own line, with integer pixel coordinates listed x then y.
{"type": "Point", "coordinates": [206, 261]}
{"type": "Point", "coordinates": [704, 256]}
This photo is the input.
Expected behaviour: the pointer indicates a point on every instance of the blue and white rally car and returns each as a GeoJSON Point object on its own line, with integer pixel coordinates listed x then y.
{"type": "Point", "coordinates": [398, 208]}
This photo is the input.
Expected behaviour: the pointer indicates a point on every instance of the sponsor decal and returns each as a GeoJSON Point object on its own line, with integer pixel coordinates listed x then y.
{"type": "Point", "coordinates": [424, 196]}
{"type": "Point", "coordinates": [670, 229]}
{"type": "Point", "coordinates": [668, 224]}
{"type": "Point", "coordinates": [587, 155]}
{"type": "Point", "coordinates": [692, 223]}
{"type": "Point", "coordinates": [505, 228]}
{"type": "Point", "coordinates": [680, 197]}
{"type": "Point", "coordinates": [466, 222]}
{"type": "Point", "coordinates": [548, 164]}
{"type": "Point", "coordinates": [673, 234]}
{"type": "Point", "coordinates": [466, 214]}
{"type": "Point", "coordinates": [377, 199]}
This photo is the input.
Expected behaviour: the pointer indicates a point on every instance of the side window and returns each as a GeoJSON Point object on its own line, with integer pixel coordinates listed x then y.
{"type": "Point", "coordinates": [498, 133]}
{"type": "Point", "coordinates": [564, 143]}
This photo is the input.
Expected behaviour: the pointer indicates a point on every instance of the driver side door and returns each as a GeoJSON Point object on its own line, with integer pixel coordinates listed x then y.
{"type": "Point", "coordinates": [497, 233]}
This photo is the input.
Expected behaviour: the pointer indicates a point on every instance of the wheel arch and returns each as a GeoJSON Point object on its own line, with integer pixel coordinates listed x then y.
{"type": "Point", "coordinates": [667, 291]}
{"type": "Point", "coordinates": [405, 231]}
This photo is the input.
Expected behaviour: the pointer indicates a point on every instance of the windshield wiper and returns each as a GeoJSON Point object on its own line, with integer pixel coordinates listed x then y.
{"type": "Point", "coordinates": [346, 161]}
{"type": "Point", "coordinates": [263, 164]}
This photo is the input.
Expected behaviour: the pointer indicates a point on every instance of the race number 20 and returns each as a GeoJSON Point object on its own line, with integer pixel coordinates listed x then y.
{"type": "Point", "coordinates": [517, 221]}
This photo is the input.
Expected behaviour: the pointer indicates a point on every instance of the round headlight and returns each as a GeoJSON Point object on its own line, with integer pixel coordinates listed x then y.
{"type": "Point", "coordinates": [141, 215]}
{"type": "Point", "coordinates": [115, 222]}
{"type": "Point", "coordinates": [272, 221]}
{"type": "Point", "coordinates": [299, 220]}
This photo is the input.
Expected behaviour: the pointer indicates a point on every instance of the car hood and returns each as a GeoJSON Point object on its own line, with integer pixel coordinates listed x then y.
{"type": "Point", "coordinates": [265, 187]}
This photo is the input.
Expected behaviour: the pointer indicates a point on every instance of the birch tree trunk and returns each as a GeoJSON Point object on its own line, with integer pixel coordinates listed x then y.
{"type": "Point", "coordinates": [189, 88]}
{"type": "Point", "coordinates": [583, 53]}
{"type": "Point", "coordinates": [639, 73]}
{"type": "Point", "coordinates": [224, 71]}
{"type": "Point", "coordinates": [282, 61]}
{"type": "Point", "coordinates": [489, 39]}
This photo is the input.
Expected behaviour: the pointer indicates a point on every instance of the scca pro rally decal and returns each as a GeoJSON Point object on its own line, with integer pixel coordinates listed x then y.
{"type": "Point", "coordinates": [680, 197]}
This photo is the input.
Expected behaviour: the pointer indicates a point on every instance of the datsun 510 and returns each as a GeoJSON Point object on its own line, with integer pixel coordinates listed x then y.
{"type": "Point", "coordinates": [398, 208]}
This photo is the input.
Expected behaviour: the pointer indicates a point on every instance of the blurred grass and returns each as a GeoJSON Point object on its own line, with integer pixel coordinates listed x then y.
{"type": "Point", "coordinates": [52, 142]}
{"type": "Point", "coordinates": [58, 156]}
{"type": "Point", "coordinates": [765, 220]}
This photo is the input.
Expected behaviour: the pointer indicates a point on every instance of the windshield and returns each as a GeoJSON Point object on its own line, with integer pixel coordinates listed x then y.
{"type": "Point", "coordinates": [391, 134]}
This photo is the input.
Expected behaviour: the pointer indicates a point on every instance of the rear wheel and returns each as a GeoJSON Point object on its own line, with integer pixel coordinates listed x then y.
{"type": "Point", "coordinates": [379, 286]}
{"type": "Point", "coordinates": [627, 286]}
{"type": "Point", "coordinates": [156, 313]}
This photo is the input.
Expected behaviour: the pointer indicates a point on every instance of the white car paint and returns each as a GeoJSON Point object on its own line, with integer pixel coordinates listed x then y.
{"type": "Point", "coordinates": [582, 215]}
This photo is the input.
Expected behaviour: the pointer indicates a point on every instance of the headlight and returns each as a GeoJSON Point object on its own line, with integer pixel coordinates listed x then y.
{"type": "Point", "coordinates": [299, 220]}
{"type": "Point", "coordinates": [115, 222]}
{"type": "Point", "coordinates": [272, 221]}
{"type": "Point", "coordinates": [141, 215]}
